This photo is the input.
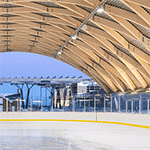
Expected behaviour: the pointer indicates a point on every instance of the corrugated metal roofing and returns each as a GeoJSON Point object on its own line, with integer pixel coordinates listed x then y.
{"type": "Point", "coordinates": [119, 4]}
{"type": "Point", "coordinates": [49, 4]}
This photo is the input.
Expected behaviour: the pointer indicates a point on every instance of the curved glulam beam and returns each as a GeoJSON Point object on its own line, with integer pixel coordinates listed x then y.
{"type": "Point", "coordinates": [138, 10]}
{"type": "Point", "coordinates": [94, 74]}
{"type": "Point", "coordinates": [109, 80]}
{"type": "Point", "coordinates": [144, 3]}
{"type": "Point", "coordinates": [125, 14]}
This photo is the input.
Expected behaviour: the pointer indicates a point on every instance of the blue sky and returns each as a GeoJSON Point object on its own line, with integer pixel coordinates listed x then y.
{"type": "Point", "coordinates": [19, 64]}
{"type": "Point", "coordinates": [27, 64]}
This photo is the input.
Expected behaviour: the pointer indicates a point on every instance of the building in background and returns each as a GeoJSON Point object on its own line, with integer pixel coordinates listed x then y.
{"type": "Point", "coordinates": [10, 102]}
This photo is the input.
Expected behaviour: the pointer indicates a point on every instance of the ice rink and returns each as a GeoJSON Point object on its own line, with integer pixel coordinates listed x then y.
{"type": "Point", "coordinates": [72, 136]}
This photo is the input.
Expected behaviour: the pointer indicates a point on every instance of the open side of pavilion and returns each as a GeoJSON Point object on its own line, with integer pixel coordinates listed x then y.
{"type": "Point", "coordinates": [109, 40]}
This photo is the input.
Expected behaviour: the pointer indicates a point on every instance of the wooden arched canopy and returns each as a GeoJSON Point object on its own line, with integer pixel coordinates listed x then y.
{"type": "Point", "coordinates": [112, 47]}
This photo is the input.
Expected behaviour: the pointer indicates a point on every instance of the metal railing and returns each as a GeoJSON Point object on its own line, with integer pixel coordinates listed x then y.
{"type": "Point", "coordinates": [115, 103]}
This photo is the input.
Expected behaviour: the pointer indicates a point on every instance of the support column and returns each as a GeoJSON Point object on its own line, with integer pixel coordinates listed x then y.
{"type": "Point", "coordinates": [20, 104]}
{"type": "Point", "coordinates": [80, 102]}
{"type": "Point", "coordinates": [52, 104]}
{"type": "Point", "coordinates": [140, 104]}
{"type": "Point", "coordinates": [28, 94]}
{"type": "Point", "coordinates": [73, 104]}
{"type": "Point", "coordinates": [17, 104]}
{"type": "Point", "coordinates": [84, 103]}
{"type": "Point", "coordinates": [111, 103]}
{"type": "Point", "coordinates": [64, 97]}
{"type": "Point", "coordinates": [132, 106]}
{"type": "Point", "coordinates": [119, 103]}
{"type": "Point", "coordinates": [52, 98]}
{"type": "Point", "coordinates": [94, 104]}
{"type": "Point", "coordinates": [58, 99]}
{"type": "Point", "coordinates": [6, 105]}
{"type": "Point", "coordinates": [31, 104]}
{"type": "Point", "coordinates": [21, 91]}
{"type": "Point", "coordinates": [126, 106]}
{"type": "Point", "coordinates": [46, 96]}
{"type": "Point", "coordinates": [148, 106]}
{"type": "Point", "coordinates": [63, 104]}
{"type": "Point", "coordinates": [41, 98]}
{"type": "Point", "coordinates": [104, 104]}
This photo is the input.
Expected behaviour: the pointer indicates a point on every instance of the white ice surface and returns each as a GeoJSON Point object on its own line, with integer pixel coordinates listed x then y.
{"type": "Point", "coordinates": [72, 136]}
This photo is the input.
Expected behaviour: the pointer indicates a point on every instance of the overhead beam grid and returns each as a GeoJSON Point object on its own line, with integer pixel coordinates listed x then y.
{"type": "Point", "coordinates": [109, 40]}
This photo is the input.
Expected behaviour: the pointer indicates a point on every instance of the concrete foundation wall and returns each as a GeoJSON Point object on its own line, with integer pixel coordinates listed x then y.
{"type": "Point", "coordinates": [139, 119]}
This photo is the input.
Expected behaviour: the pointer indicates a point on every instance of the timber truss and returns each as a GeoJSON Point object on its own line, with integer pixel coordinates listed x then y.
{"type": "Point", "coordinates": [112, 47]}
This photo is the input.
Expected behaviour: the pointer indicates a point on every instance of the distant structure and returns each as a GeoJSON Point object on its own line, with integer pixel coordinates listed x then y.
{"type": "Point", "coordinates": [10, 102]}
{"type": "Point", "coordinates": [63, 91]}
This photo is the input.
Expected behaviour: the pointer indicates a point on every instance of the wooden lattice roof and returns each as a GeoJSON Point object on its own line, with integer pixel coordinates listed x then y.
{"type": "Point", "coordinates": [113, 48]}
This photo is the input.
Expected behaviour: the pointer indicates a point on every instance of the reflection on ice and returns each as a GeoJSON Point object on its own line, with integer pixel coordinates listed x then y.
{"type": "Point", "coordinates": [71, 136]}
{"type": "Point", "coordinates": [40, 135]}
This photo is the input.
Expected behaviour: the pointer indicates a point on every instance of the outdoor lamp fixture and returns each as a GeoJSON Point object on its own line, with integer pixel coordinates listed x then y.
{"type": "Point", "coordinates": [100, 10]}
{"type": "Point", "coordinates": [74, 37]}
{"type": "Point", "coordinates": [59, 53]}
{"type": "Point", "coordinates": [84, 27]}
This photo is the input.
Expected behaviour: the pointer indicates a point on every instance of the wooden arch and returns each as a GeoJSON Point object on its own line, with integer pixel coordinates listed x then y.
{"type": "Point", "coordinates": [112, 47]}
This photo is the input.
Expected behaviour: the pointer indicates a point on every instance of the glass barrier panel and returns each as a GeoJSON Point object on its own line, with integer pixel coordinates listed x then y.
{"type": "Point", "coordinates": [122, 104]}
{"type": "Point", "coordinates": [99, 104]}
{"type": "Point", "coordinates": [136, 106]}
{"type": "Point", "coordinates": [129, 106]}
{"type": "Point", "coordinates": [115, 104]}
{"type": "Point", "coordinates": [79, 104]}
{"type": "Point", "coordinates": [145, 103]}
{"type": "Point", "coordinates": [107, 104]}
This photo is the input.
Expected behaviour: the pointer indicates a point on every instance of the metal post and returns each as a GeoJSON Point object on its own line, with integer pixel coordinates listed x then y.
{"type": "Point", "coordinates": [6, 105]}
{"type": "Point", "coordinates": [140, 104]}
{"type": "Point", "coordinates": [65, 97]}
{"type": "Point", "coordinates": [84, 102]}
{"type": "Point", "coordinates": [52, 96]}
{"type": "Point", "coordinates": [111, 103]}
{"type": "Point", "coordinates": [46, 96]}
{"type": "Point", "coordinates": [94, 105]}
{"type": "Point", "coordinates": [89, 97]}
{"type": "Point", "coordinates": [28, 94]}
{"type": "Point", "coordinates": [17, 104]}
{"type": "Point", "coordinates": [119, 103]}
{"type": "Point", "coordinates": [80, 101]}
{"type": "Point", "coordinates": [63, 104]}
{"type": "Point", "coordinates": [20, 105]}
{"type": "Point", "coordinates": [72, 99]}
{"type": "Point", "coordinates": [148, 106]}
{"type": "Point", "coordinates": [104, 104]}
{"type": "Point", "coordinates": [21, 90]}
{"type": "Point", "coordinates": [77, 100]}
{"type": "Point", "coordinates": [73, 104]}
{"type": "Point", "coordinates": [41, 97]}
{"type": "Point", "coordinates": [132, 106]}
{"type": "Point", "coordinates": [126, 106]}
{"type": "Point", "coordinates": [31, 104]}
